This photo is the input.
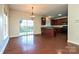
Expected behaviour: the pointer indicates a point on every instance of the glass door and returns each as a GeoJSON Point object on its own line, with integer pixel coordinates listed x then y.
{"type": "Point", "coordinates": [26, 27]}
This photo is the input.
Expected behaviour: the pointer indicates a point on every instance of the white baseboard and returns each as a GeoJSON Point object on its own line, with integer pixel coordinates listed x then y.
{"type": "Point", "coordinates": [15, 36]}
{"type": "Point", "coordinates": [74, 42]}
{"type": "Point", "coordinates": [20, 35]}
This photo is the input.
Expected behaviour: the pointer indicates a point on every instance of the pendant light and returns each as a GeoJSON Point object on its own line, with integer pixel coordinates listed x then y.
{"type": "Point", "coordinates": [32, 16]}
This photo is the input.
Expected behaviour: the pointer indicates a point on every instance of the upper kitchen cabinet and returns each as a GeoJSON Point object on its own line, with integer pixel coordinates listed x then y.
{"type": "Point", "coordinates": [52, 21]}
{"type": "Point", "coordinates": [43, 21]}
{"type": "Point", "coordinates": [59, 21]}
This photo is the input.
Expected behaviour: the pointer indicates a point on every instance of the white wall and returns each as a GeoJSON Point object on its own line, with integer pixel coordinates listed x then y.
{"type": "Point", "coordinates": [3, 33]}
{"type": "Point", "coordinates": [73, 22]}
{"type": "Point", "coordinates": [4, 38]}
{"type": "Point", "coordinates": [1, 23]}
{"type": "Point", "coordinates": [15, 17]}
{"type": "Point", "coordinates": [48, 23]}
{"type": "Point", "coordinates": [37, 25]}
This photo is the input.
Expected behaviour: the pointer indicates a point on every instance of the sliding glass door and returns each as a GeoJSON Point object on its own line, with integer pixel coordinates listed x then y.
{"type": "Point", "coordinates": [26, 27]}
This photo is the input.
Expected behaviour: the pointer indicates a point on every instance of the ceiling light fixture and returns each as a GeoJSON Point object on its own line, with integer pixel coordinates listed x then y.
{"type": "Point", "coordinates": [49, 16]}
{"type": "Point", "coordinates": [59, 14]}
{"type": "Point", "coordinates": [32, 16]}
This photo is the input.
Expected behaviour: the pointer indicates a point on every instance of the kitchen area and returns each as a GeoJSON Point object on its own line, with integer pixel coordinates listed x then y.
{"type": "Point", "coordinates": [50, 27]}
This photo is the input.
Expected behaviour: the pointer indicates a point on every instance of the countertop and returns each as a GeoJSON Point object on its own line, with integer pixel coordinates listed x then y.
{"type": "Point", "coordinates": [53, 26]}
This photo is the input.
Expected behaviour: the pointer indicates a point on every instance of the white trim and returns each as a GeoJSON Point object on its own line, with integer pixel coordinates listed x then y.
{"type": "Point", "coordinates": [73, 42]}
{"type": "Point", "coordinates": [21, 35]}
{"type": "Point", "coordinates": [61, 17]}
{"type": "Point", "coordinates": [14, 36]}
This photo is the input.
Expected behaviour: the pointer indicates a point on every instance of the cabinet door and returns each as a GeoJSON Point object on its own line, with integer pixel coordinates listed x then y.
{"type": "Point", "coordinates": [52, 22]}
{"type": "Point", "coordinates": [61, 21]}
{"type": "Point", "coordinates": [43, 21]}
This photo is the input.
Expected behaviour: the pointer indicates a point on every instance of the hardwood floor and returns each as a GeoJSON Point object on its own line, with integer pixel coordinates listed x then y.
{"type": "Point", "coordinates": [38, 44]}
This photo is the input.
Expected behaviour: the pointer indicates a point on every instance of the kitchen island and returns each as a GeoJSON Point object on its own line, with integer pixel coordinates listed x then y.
{"type": "Point", "coordinates": [50, 31]}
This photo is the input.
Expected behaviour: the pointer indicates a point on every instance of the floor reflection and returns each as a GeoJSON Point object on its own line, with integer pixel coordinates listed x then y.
{"type": "Point", "coordinates": [67, 49]}
{"type": "Point", "coordinates": [37, 44]}
{"type": "Point", "coordinates": [28, 42]}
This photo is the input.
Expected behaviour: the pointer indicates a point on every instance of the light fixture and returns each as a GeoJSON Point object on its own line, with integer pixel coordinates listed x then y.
{"type": "Point", "coordinates": [32, 16]}
{"type": "Point", "coordinates": [49, 17]}
{"type": "Point", "coordinates": [59, 14]}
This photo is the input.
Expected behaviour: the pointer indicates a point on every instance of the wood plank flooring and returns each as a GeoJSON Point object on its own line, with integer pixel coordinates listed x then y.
{"type": "Point", "coordinates": [38, 44]}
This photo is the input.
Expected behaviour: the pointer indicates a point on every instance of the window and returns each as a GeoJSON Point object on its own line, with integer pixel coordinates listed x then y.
{"type": "Point", "coordinates": [26, 27]}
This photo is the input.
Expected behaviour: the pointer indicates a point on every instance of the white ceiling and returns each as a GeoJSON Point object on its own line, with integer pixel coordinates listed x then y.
{"type": "Point", "coordinates": [42, 9]}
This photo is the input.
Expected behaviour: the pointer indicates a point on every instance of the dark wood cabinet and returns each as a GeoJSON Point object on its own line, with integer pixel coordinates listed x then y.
{"type": "Point", "coordinates": [52, 21]}
{"type": "Point", "coordinates": [47, 32]}
{"type": "Point", "coordinates": [59, 26]}
{"type": "Point", "coordinates": [43, 21]}
{"type": "Point", "coordinates": [61, 21]}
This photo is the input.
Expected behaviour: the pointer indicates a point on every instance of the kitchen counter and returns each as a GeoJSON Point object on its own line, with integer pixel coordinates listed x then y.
{"type": "Point", "coordinates": [52, 30]}
{"type": "Point", "coordinates": [59, 26]}
{"type": "Point", "coordinates": [47, 31]}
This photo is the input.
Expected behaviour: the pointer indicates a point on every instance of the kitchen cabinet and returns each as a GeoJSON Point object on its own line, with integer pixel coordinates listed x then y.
{"type": "Point", "coordinates": [47, 32]}
{"type": "Point", "coordinates": [43, 21]}
{"type": "Point", "coordinates": [60, 21]}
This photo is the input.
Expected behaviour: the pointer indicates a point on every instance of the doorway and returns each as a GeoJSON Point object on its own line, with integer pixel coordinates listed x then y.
{"type": "Point", "coordinates": [26, 27]}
